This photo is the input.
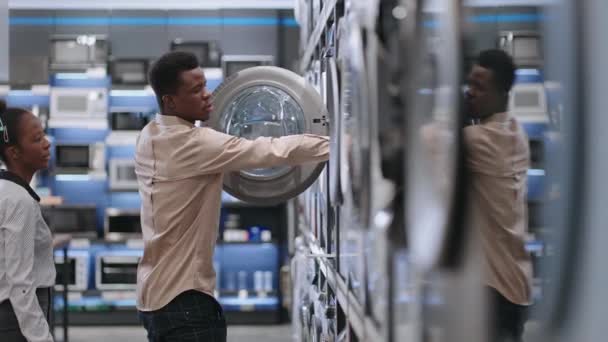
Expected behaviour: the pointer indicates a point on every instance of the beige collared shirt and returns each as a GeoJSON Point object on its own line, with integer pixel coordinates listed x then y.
{"type": "Point", "coordinates": [180, 169]}
{"type": "Point", "coordinates": [498, 157]}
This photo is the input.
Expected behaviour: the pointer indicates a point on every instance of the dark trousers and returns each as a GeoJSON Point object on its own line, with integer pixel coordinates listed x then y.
{"type": "Point", "coordinates": [192, 316]}
{"type": "Point", "coordinates": [507, 319]}
{"type": "Point", "coordinates": [9, 326]}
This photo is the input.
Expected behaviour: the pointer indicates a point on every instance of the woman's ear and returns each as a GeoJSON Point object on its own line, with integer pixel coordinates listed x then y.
{"type": "Point", "coordinates": [13, 153]}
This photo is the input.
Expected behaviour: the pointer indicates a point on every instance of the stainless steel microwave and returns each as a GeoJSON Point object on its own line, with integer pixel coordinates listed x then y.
{"type": "Point", "coordinates": [78, 53]}
{"type": "Point", "coordinates": [129, 120]}
{"type": "Point", "coordinates": [122, 175]}
{"type": "Point", "coordinates": [80, 158]}
{"type": "Point", "coordinates": [116, 270]}
{"type": "Point", "coordinates": [78, 220]}
{"type": "Point", "coordinates": [121, 224]}
{"type": "Point", "coordinates": [208, 53]}
{"type": "Point", "coordinates": [231, 64]}
{"type": "Point", "coordinates": [129, 71]}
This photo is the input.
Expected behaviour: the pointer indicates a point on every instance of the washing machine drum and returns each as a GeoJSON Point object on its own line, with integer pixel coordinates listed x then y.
{"type": "Point", "coordinates": [271, 102]}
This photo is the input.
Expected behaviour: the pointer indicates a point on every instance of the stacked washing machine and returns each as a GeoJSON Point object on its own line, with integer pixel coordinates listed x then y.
{"type": "Point", "coordinates": [384, 250]}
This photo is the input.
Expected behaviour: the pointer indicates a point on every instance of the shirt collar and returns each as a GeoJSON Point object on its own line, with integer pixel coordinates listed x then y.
{"type": "Point", "coordinates": [498, 117]}
{"type": "Point", "coordinates": [170, 120]}
{"type": "Point", "coordinates": [11, 177]}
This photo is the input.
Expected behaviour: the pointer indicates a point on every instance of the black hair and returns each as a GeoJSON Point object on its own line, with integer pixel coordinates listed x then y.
{"type": "Point", "coordinates": [164, 74]}
{"type": "Point", "coordinates": [9, 126]}
{"type": "Point", "coordinates": [501, 65]}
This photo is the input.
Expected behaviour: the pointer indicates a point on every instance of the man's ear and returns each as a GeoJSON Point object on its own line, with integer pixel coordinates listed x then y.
{"type": "Point", "coordinates": [168, 102]}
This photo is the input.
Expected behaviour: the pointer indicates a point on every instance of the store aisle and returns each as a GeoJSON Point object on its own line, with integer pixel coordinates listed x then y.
{"type": "Point", "coordinates": [257, 333]}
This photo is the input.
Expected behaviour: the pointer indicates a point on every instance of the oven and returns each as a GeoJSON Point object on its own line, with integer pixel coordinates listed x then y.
{"type": "Point", "coordinates": [122, 174]}
{"type": "Point", "coordinates": [78, 272]}
{"type": "Point", "coordinates": [78, 53]}
{"type": "Point", "coordinates": [231, 64]}
{"type": "Point", "coordinates": [208, 53]}
{"type": "Point", "coordinates": [80, 158]}
{"type": "Point", "coordinates": [70, 106]}
{"type": "Point", "coordinates": [121, 224]}
{"type": "Point", "coordinates": [117, 269]}
{"type": "Point", "coordinates": [80, 221]}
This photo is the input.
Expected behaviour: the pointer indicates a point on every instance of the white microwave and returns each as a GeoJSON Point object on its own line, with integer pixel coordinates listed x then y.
{"type": "Point", "coordinates": [77, 272]}
{"type": "Point", "coordinates": [80, 158]}
{"type": "Point", "coordinates": [79, 107]}
{"type": "Point", "coordinates": [122, 174]}
{"type": "Point", "coordinates": [528, 103]}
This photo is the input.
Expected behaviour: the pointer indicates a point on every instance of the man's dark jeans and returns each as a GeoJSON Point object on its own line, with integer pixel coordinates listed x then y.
{"type": "Point", "coordinates": [190, 317]}
{"type": "Point", "coordinates": [508, 319]}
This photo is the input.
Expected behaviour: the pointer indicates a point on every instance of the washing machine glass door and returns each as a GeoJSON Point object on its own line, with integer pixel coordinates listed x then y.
{"type": "Point", "coordinates": [433, 121]}
{"type": "Point", "coordinates": [272, 102]}
{"type": "Point", "coordinates": [333, 105]}
{"type": "Point", "coordinates": [355, 125]}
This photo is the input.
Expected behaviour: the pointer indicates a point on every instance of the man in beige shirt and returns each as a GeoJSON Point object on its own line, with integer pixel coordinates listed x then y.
{"type": "Point", "coordinates": [498, 160]}
{"type": "Point", "coordinates": [179, 169]}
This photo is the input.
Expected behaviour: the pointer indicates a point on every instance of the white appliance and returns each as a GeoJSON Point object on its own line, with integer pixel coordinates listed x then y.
{"type": "Point", "coordinates": [117, 270]}
{"type": "Point", "coordinates": [78, 53]}
{"type": "Point", "coordinates": [78, 270]}
{"type": "Point", "coordinates": [80, 158]}
{"type": "Point", "coordinates": [528, 103]}
{"type": "Point", "coordinates": [122, 174]}
{"type": "Point", "coordinates": [269, 101]}
{"type": "Point", "coordinates": [524, 46]}
{"type": "Point", "coordinates": [231, 64]}
{"type": "Point", "coordinates": [78, 107]}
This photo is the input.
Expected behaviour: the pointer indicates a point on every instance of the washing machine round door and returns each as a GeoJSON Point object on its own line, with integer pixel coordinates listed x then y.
{"type": "Point", "coordinates": [333, 104]}
{"type": "Point", "coordinates": [434, 155]}
{"type": "Point", "coordinates": [355, 125]}
{"type": "Point", "coordinates": [274, 102]}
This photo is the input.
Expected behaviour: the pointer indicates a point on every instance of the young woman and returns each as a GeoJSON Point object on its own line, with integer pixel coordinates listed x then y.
{"type": "Point", "coordinates": [27, 270]}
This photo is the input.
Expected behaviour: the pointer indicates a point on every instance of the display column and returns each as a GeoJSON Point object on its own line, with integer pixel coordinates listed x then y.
{"type": "Point", "coordinates": [4, 43]}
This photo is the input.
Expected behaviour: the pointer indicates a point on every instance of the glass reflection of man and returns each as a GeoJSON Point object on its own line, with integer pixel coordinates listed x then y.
{"type": "Point", "coordinates": [180, 169]}
{"type": "Point", "coordinates": [498, 159]}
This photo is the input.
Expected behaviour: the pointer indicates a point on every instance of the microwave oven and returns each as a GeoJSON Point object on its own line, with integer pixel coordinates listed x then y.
{"type": "Point", "coordinates": [117, 270]}
{"type": "Point", "coordinates": [121, 224]}
{"type": "Point", "coordinates": [524, 46]}
{"type": "Point", "coordinates": [231, 64]}
{"type": "Point", "coordinates": [78, 220]}
{"type": "Point", "coordinates": [78, 53]}
{"type": "Point", "coordinates": [77, 273]}
{"type": "Point", "coordinates": [208, 53]}
{"type": "Point", "coordinates": [129, 71]}
{"type": "Point", "coordinates": [528, 103]}
{"type": "Point", "coordinates": [129, 121]}
{"type": "Point", "coordinates": [80, 158]}
{"type": "Point", "coordinates": [78, 107]}
{"type": "Point", "coordinates": [122, 175]}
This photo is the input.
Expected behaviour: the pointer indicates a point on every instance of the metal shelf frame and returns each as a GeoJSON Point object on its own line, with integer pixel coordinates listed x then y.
{"type": "Point", "coordinates": [313, 41]}
{"type": "Point", "coordinates": [361, 324]}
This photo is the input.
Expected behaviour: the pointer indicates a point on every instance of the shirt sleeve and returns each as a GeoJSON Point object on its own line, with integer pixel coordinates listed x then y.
{"type": "Point", "coordinates": [18, 235]}
{"type": "Point", "coordinates": [208, 151]}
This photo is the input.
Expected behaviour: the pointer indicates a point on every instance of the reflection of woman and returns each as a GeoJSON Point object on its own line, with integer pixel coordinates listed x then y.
{"type": "Point", "coordinates": [27, 269]}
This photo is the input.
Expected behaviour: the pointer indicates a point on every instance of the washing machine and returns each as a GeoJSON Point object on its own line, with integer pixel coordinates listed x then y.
{"type": "Point", "coordinates": [269, 101]}
{"type": "Point", "coordinates": [383, 205]}
{"type": "Point", "coordinates": [444, 257]}
{"type": "Point", "coordinates": [354, 154]}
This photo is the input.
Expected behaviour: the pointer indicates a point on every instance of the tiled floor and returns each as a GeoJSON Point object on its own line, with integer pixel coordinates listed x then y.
{"type": "Point", "coordinates": [255, 333]}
